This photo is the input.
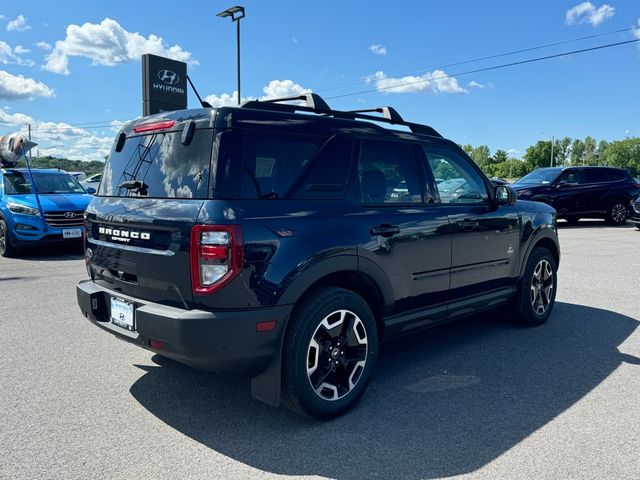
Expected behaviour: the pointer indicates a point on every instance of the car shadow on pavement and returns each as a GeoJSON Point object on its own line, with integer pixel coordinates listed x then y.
{"type": "Point", "coordinates": [443, 402]}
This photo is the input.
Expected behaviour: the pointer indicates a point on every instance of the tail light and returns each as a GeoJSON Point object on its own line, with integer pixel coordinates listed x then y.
{"type": "Point", "coordinates": [216, 256]}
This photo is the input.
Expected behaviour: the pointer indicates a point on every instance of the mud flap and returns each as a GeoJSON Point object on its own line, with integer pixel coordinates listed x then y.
{"type": "Point", "coordinates": [266, 387]}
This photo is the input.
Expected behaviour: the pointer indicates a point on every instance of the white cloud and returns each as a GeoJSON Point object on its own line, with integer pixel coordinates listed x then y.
{"type": "Point", "coordinates": [9, 56]}
{"type": "Point", "coordinates": [18, 87]}
{"type": "Point", "coordinates": [587, 12]}
{"type": "Point", "coordinates": [107, 43]}
{"type": "Point", "coordinates": [636, 32]}
{"type": "Point", "coordinates": [512, 152]}
{"type": "Point", "coordinates": [20, 50]}
{"type": "Point", "coordinates": [283, 88]}
{"type": "Point", "coordinates": [14, 118]}
{"type": "Point", "coordinates": [378, 49]}
{"type": "Point", "coordinates": [474, 84]}
{"type": "Point", "coordinates": [43, 46]}
{"type": "Point", "coordinates": [18, 25]}
{"type": "Point", "coordinates": [275, 89]}
{"type": "Point", "coordinates": [436, 82]}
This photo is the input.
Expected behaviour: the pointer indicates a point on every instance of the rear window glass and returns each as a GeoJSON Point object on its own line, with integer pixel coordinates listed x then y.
{"type": "Point", "coordinates": [595, 175]}
{"type": "Point", "coordinates": [159, 165]}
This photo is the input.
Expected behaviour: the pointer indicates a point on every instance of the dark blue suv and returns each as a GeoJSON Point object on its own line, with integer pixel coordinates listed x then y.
{"type": "Point", "coordinates": [582, 192]}
{"type": "Point", "coordinates": [54, 215]}
{"type": "Point", "coordinates": [286, 241]}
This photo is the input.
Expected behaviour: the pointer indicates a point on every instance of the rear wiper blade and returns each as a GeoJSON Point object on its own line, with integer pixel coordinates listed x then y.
{"type": "Point", "coordinates": [135, 185]}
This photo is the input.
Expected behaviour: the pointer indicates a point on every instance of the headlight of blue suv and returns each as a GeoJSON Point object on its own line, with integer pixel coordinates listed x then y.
{"type": "Point", "coordinates": [17, 208]}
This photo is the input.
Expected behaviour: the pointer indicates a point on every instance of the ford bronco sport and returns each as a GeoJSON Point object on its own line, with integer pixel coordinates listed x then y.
{"type": "Point", "coordinates": [286, 241]}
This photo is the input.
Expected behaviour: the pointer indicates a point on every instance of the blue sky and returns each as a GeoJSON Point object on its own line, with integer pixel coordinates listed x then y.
{"type": "Point", "coordinates": [72, 68]}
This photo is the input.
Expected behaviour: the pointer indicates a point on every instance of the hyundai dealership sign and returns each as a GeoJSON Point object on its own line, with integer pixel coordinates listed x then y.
{"type": "Point", "coordinates": [164, 84]}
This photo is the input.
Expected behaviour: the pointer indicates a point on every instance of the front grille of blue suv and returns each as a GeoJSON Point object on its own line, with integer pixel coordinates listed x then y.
{"type": "Point", "coordinates": [55, 215]}
{"type": "Point", "coordinates": [285, 241]}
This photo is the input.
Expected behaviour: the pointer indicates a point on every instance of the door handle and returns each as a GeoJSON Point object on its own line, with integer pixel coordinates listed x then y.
{"type": "Point", "coordinates": [468, 225]}
{"type": "Point", "coordinates": [384, 230]}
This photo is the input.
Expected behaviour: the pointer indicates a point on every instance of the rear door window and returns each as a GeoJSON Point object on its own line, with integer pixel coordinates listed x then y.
{"type": "Point", "coordinates": [387, 174]}
{"type": "Point", "coordinates": [595, 175]}
{"type": "Point", "coordinates": [164, 166]}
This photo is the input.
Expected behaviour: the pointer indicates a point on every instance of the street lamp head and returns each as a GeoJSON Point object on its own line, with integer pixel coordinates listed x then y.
{"type": "Point", "coordinates": [236, 13]}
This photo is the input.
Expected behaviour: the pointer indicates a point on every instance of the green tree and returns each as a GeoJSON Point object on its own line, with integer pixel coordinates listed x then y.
{"type": "Point", "coordinates": [577, 151]}
{"type": "Point", "coordinates": [625, 154]}
{"type": "Point", "coordinates": [481, 155]}
{"type": "Point", "coordinates": [500, 157]}
{"type": "Point", "coordinates": [602, 147]}
{"type": "Point", "coordinates": [561, 151]}
{"type": "Point", "coordinates": [538, 155]}
{"type": "Point", "coordinates": [590, 151]}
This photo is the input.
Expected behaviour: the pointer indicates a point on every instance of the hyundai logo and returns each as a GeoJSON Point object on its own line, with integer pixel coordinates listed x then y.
{"type": "Point", "coordinates": [168, 77]}
{"type": "Point", "coordinates": [70, 215]}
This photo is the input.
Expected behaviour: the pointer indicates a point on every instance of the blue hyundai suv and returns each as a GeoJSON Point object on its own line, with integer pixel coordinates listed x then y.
{"type": "Point", "coordinates": [54, 215]}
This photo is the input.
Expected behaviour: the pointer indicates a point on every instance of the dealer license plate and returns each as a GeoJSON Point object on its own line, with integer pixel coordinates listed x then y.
{"type": "Point", "coordinates": [71, 233]}
{"type": "Point", "coordinates": [122, 313]}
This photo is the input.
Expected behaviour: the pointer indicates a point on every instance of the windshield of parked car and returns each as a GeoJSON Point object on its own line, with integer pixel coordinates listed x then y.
{"type": "Point", "coordinates": [541, 176]}
{"type": "Point", "coordinates": [18, 183]}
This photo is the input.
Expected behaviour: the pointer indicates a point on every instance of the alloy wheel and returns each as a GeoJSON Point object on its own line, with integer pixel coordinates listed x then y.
{"type": "Point", "coordinates": [3, 240]}
{"type": "Point", "coordinates": [619, 213]}
{"type": "Point", "coordinates": [337, 355]}
{"type": "Point", "coordinates": [541, 287]}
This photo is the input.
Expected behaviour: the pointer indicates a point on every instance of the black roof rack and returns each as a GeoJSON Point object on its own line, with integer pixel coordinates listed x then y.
{"type": "Point", "coordinates": [314, 103]}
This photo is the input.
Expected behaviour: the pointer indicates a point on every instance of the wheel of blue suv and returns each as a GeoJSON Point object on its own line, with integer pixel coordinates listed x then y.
{"type": "Point", "coordinates": [537, 293]}
{"type": "Point", "coordinates": [6, 248]}
{"type": "Point", "coordinates": [617, 212]}
{"type": "Point", "coordinates": [330, 353]}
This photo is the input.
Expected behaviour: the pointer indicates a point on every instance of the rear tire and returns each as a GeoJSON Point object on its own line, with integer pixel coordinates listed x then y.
{"type": "Point", "coordinates": [537, 294]}
{"type": "Point", "coordinates": [6, 247]}
{"type": "Point", "coordinates": [329, 354]}
{"type": "Point", "coordinates": [617, 213]}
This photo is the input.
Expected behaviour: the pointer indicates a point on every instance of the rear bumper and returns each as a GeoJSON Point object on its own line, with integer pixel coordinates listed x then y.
{"type": "Point", "coordinates": [218, 341]}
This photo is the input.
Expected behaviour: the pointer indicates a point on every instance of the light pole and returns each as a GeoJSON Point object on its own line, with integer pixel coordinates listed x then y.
{"type": "Point", "coordinates": [236, 13]}
{"type": "Point", "coordinates": [45, 148]}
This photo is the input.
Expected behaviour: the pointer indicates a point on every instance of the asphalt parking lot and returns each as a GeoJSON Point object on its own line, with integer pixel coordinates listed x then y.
{"type": "Point", "coordinates": [475, 399]}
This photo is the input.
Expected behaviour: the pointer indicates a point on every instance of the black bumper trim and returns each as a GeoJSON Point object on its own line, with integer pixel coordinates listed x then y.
{"type": "Point", "coordinates": [217, 341]}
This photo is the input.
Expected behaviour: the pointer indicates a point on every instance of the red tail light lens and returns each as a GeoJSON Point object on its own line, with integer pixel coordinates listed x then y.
{"type": "Point", "coordinates": [148, 127]}
{"type": "Point", "coordinates": [216, 256]}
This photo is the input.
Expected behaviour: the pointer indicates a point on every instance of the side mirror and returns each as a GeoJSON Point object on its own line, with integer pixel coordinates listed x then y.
{"type": "Point", "coordinates": [91, 190]}
{"type": "Point", "coordinates": [504, 195]}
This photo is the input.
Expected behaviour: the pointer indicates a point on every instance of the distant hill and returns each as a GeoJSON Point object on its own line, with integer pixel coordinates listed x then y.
{"type": "Point", "coordinates": [65, 164]}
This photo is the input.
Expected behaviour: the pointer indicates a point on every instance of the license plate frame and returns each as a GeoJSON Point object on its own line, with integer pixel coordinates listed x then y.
{"type": "Point", "coordinates": [68, 233]}
{"type": "Point", "coordinates": [122, 313]}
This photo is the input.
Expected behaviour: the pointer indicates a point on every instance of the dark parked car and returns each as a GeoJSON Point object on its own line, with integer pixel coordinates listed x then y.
{"type": "Point", "coordinates": [635, 213]}
{"type": "Point", "coordinates": [285, 242]}
{"type": "Point", "coordinates": [581, 192]}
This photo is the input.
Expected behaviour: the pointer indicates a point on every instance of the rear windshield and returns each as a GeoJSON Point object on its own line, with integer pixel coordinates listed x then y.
{"type": "Point", "coordinates": [18, 183]}
{"type": "Point", "coordinates": [158, 165]}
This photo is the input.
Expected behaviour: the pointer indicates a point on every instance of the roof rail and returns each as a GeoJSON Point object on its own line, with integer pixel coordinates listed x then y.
{"type": "Point", "coordinates": [314, 103]}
